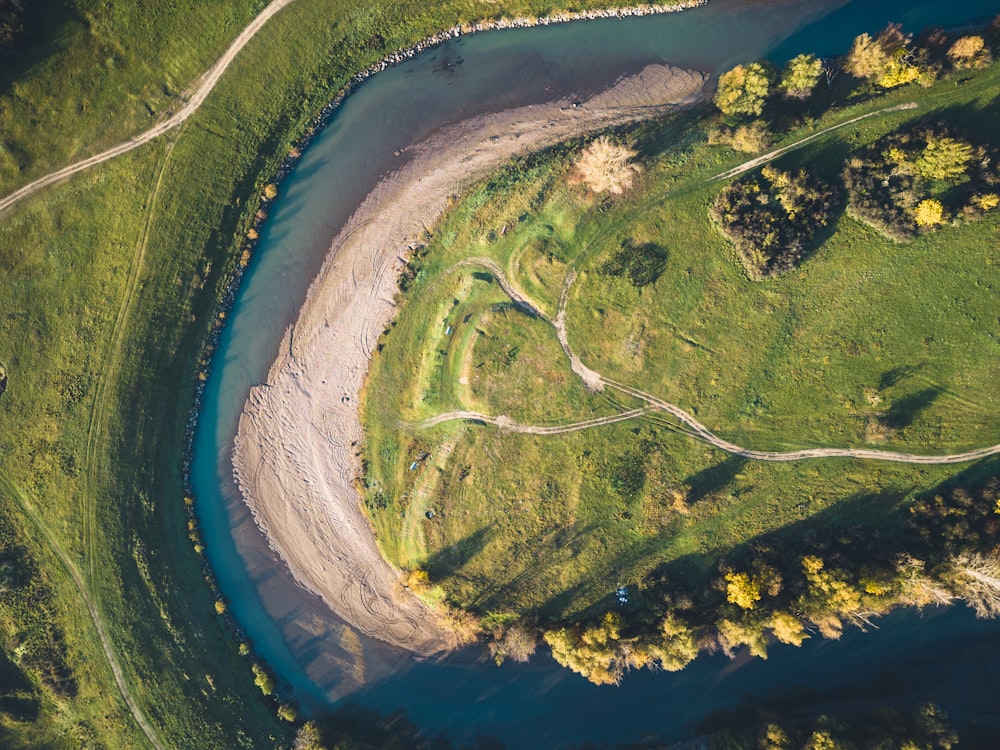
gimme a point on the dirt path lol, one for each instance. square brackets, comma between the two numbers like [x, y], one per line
[696, 429]
[203, 87]
[95, 616]
[758, 161]
[506, 424]
[296, 451]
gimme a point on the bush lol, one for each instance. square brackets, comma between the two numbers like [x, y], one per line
[909, 181]
[752, 138]
[773, 217]
[606, 167]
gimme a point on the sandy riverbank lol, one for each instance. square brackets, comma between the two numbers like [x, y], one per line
[295, 457]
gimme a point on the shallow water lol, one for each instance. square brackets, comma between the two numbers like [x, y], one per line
[537, 705]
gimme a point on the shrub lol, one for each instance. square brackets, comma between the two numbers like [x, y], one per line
[773, 217]
[606, 167]
[751, 138]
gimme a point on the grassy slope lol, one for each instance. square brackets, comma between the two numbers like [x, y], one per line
[110, 280]
[552, 524]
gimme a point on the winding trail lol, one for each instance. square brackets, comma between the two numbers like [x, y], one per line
[697, 430]
[203, 88]
[296, 453]
[507, 424]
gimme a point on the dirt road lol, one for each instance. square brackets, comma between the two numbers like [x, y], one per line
[202, 89]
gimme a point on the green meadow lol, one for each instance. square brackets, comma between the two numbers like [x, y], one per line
[868, 343]
[110, 284]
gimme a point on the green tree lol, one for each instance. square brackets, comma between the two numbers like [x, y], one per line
[884, 60]
[594, 652]
[263, 680]
[801, 76]
[733, 634]
[787, 628]
[929, 213]
[742, 590]
[943, 158]
[743, 90]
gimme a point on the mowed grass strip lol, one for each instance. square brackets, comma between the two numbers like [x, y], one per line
[868, 343]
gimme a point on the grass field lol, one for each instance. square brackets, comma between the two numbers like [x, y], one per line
[110, 285]
[868, 343]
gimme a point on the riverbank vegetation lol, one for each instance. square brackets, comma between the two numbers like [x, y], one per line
[631, 544]
[111, 283]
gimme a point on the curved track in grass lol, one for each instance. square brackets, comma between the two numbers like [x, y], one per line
[692, 427]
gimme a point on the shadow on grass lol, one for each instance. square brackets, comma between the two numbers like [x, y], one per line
[714, 479]
[889, 378]
[447, 562]
[903, 412]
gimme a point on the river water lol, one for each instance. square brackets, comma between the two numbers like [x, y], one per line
[538, 705]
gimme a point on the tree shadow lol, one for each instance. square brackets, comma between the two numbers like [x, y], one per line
[448, 561]
[714, 479]
[905, 411]
[889, 378]
[51, 26]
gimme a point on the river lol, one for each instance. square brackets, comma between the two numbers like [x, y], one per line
[538, 705]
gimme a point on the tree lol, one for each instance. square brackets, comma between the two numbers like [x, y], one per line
[594, 653]
[977, 580]
[742, 590]
[969, 52]
[606, 167]
[830, 597]
[866, 58]
[929, 213]
[517, 642]
[308, 737]
[943, 158]
[801, 76]
[788, 628]
[743, 90]
[748, 633]
[263, 680]
[884, 60]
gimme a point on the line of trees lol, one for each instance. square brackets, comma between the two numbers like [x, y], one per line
[887, 60]
[782, 592]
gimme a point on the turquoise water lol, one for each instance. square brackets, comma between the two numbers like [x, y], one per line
[537, 705]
